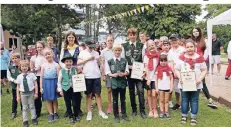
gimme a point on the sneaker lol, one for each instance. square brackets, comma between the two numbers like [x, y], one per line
[13, 115]
[170, 105]
[80, 112]
[77, 119]
[103, 115]
[193, 121]
[226, 78]
[117, 119]
[125, 117]
[218, 74]
[161, 116]
[66, 114]
[25, 124]
[155, 114]
[143, 115]
[212, 105]
[89, 116]
[56, 116]
[50, 118]
[167, 116]
[72, 121]
[109, 110]
[183, 120]
[150, 114]
[34, 121]
[175, 107]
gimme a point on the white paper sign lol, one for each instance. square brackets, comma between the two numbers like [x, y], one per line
[137, 70]
[79, 84]
[188, 79]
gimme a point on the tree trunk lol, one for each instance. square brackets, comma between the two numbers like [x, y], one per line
[59, 36]
[97, 27]
[88, 19]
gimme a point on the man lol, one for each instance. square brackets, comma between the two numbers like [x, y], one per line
[134, 51]
[216, 54]
[174, 53]
[50, 42]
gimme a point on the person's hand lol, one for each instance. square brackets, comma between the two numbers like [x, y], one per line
[35, 96]
[149, 82]
[198, 82]
[130, 66]
[157, 91]
[104, 78]
[171, 90]
[38, 68]
[18, 99]
[91, 58]
[181, 82]
[41, 90]
[15, 81]
[61, 93]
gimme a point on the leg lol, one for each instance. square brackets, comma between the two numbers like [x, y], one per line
[97, 90]
[115, 93]
[14, 101]
[218, 68]
[123, 100]
[154, 103]
[166, 100]
[55, 106]
[38, 101]
[67, 99]
[88, 93]
[149, 96]
[31, 106]
[228, 71]
[194, 103]
[212, 66]
[140, 91]
[109, 93]
[205, 89]
[88, 103]
[161, 100]
[76, 99]
[24, 100]
[49, 107]
[184, 103]
[131, 86]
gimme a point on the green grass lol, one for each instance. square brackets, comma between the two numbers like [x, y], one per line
[207, 117]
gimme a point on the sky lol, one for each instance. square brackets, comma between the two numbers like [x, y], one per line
[203, 13]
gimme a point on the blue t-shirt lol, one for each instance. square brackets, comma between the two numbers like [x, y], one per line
[4, 61]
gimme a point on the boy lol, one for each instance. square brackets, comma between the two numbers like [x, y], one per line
[90, 60]
[174, 53]
[28, 87]
[117, 68]
[134, 51]
[12, 73]
[65, 88]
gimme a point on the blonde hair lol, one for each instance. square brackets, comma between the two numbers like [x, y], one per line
[163, 38]
[24, 62]
[47, 49]
[110, 35]
[16, 54]
[117, 46]
[50, 38]
[131, 31]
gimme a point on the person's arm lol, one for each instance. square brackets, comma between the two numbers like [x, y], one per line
[171, 82]
[32, 64]
[11, 79]
[18, 94]
[57, 69]
[108, 71]
[35, 89]
[82, 62]
[59, 88]
[143, 52]
[203, 72]
[122, 53]
[41, 80]
[156, 82]
[126, 70]
[61, 57]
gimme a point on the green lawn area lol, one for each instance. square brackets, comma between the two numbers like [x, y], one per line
[207, 117]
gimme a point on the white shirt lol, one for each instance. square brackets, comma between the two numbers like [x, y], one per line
[90, 69]
[30, 81]
[59, 83]
[164, 83]
[107, 68]
[175, 53]
[180, 66]
[123, 52]
[229, 50]
[152, 75]
[38, 61]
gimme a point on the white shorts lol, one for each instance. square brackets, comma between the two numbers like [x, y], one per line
[175, 83]
[215, 59]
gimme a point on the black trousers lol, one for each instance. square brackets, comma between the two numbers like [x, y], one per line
[205, 89]
[74, 100]
[132, 83]
[115, 95]
[38, 101]
[14, 101]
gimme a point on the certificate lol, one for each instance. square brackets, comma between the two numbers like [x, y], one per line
[137, 70]
[79, 84]
[188, 79]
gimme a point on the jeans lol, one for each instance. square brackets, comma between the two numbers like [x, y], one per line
[27, 100]
[205, 89]
[115, 94]
[38, 101]
[192, 98]
[140, 91]
[72, 99]
[14, 101]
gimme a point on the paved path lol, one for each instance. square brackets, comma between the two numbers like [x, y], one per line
[220, 88]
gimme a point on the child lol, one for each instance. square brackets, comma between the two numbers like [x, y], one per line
[117, 69]
[164, 85]
[35, 65]
[50, 42]
[65, 89]
[12, 73]
[48, 83]
[150, 63]
[4, 61]
[191, 61]
[90, 60]
[28, 88]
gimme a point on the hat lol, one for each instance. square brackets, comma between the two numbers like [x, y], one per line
[90, 43]
[174, 36]
[166, 42]
[68, 56]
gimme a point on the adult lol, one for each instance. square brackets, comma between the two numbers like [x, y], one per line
[50, 42]
[199, 40]
[103, 46]
[70, 47]
[97, 48]
[5, 59]
[228, 71]
[216, 54]
[134, 51]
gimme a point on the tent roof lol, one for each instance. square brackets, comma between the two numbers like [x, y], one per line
[223, 18]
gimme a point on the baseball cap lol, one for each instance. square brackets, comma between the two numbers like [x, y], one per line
[89, 42]
[174, 36]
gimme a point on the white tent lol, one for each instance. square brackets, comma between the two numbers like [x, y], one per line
[222, 19]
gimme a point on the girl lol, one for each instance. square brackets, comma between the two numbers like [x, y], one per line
[50, 42]
[48, 83]
[164, 85]
[103, 46]
[191, 61]
[35, 65]
[201, 50]
[150, 62]
[71, 47]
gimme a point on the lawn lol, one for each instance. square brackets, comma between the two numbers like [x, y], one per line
[207, 117]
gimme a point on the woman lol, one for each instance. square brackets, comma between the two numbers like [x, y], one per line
[188, 62]
[71, 47]
[103, 46]
[200, 49]
[228, 71]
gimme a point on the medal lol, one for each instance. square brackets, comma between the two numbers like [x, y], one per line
[128, 53]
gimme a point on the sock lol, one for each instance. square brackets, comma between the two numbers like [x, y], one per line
[170, 102]
[210, 100]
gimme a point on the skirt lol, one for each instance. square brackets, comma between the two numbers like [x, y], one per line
[50, 89]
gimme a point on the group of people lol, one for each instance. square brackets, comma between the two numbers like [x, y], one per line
[49, 78]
